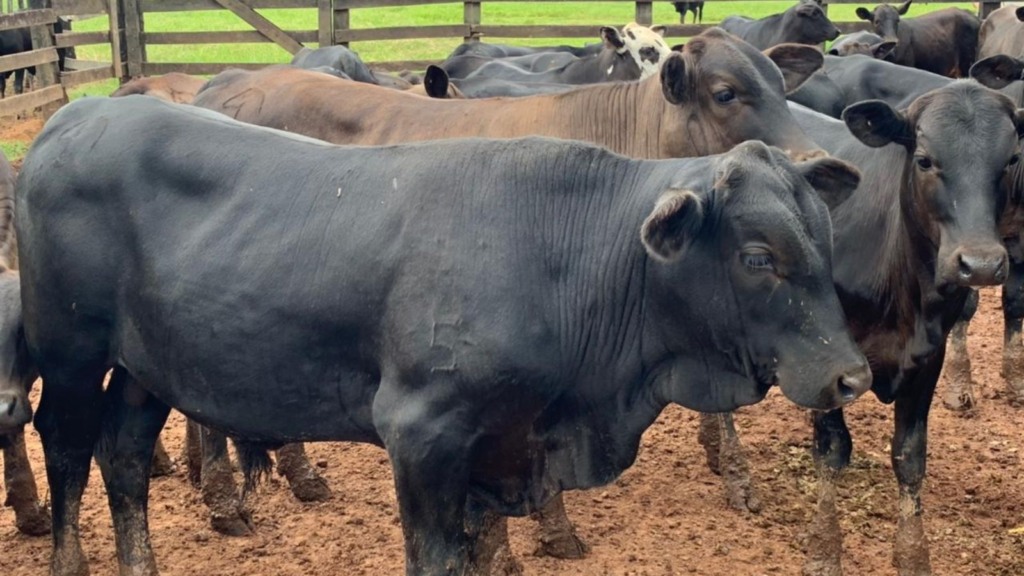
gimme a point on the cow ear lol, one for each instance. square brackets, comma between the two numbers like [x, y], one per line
[863, 13]
[675, 221]
[882, 50]
[612, 38]
[902, 10]
[998, 72]
[678, 47]
[833, 179]
[833, 52]
[659, 30]
[673, 79]
[435, 82]
[1020, 13]
[796, 61]
[876, 124]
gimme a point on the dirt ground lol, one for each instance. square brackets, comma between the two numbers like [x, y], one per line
[664, 516]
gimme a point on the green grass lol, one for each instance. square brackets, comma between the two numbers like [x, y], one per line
[521, 13]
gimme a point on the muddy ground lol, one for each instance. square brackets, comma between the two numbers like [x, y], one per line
[666, 515]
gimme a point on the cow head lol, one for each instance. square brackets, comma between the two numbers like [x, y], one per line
[807, 23]
[17, 371]
[960, 141]
[864, 43]
[752, 252]
[722, 91]
[635, 48]
[885, 18]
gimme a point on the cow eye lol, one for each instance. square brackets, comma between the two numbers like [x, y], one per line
[758, 261]
[725, 96]
[1013, 160]
[924, 162]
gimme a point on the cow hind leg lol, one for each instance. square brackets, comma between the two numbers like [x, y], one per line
[306, 484]
[192, 453]
[30, 517]
[19, 81]
[958, 384]
[228, 514]
[491, 554]
[832, 448]
[162, 464]
[558, 536]
[1013, 313]
[725, 456]
[132, 420]
[68, 421]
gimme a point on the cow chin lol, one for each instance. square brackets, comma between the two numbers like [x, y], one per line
[808, 387]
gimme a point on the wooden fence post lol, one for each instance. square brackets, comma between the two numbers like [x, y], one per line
[986, 8]
[46, 74]
[644, 12]
[325, 23]
[471, 17]
[113, 19]
[341, 22]
[133, 28]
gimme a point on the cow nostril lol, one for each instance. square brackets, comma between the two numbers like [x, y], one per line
[8, 405]
[846, 392]
[965, 267]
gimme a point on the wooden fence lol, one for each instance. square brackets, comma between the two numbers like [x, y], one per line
[128, 37]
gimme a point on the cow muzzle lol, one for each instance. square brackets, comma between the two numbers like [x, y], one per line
[849, 385]
[15, 411]
[984, 266]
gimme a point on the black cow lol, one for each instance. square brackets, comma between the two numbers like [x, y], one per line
[697, 7]
[437, 84]
[477, 48]
[17, 374]
[804, 23]
[505, 318]
[944, 42]
[19, 40]
[461, 66]
[921, 230]
[635, 53]
[344, 63]
[863, 42]
[843, 81]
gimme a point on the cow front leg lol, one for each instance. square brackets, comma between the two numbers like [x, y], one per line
[831, 451]
[725, 456]
[19, 81]
[132, 420]
[958, 384]
[1013, 313]
[228, 514]
[192, 453]
[558, 536]
[909, 456]
[306, 484]
[68, 421]
[30, 516]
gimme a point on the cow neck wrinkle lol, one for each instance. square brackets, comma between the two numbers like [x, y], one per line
[633, 133]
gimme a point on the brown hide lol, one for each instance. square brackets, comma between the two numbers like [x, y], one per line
[174, 87]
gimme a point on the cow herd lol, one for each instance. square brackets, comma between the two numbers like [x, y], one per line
[528, 254]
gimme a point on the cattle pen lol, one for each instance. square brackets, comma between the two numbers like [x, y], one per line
[127, 42]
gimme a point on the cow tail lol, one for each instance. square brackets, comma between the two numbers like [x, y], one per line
[255, 462]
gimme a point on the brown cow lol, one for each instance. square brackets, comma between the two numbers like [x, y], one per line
[174, 87]
[716, 93]
[944, 42]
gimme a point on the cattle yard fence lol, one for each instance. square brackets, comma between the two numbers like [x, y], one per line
[128, 38]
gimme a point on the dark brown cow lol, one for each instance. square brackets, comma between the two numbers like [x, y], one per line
[174, 87]
[944, 42]
[30, 516]
[717, 92]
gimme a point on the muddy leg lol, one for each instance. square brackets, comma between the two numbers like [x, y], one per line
[1013, 312]
[162, 464]
[68, 421]
[557, 534]
[306, 484]
[31, 517]
[228, 514]
[192, 453]
[710, 437]
[832, 448]
[490, 554]
[958, 384]
[909, 455]
[724, 454]
[132, 420]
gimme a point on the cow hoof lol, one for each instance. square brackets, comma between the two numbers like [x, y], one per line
[68, 563]
[959, 401]
[564, 545]
[822, 567]
[161, 467]
[505, 563]
[34, 521]
[742, 497]
[236, 526]
[312, 488]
